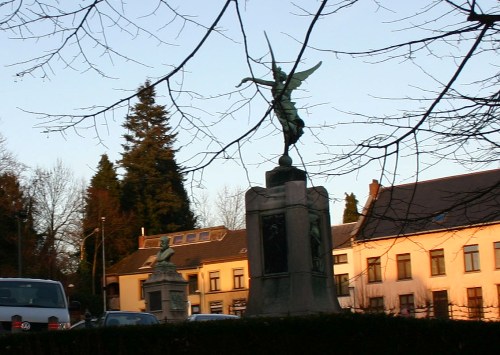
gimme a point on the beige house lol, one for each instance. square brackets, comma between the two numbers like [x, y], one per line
[212, 260]
[430, 249]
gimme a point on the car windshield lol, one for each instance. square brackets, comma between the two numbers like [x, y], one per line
[31, 294]
[118, 319]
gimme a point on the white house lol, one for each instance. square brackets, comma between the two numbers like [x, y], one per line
[430, 249]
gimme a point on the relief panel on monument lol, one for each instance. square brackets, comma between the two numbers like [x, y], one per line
[177, 300]
[317, 257]
[274, 243]
[155, 301]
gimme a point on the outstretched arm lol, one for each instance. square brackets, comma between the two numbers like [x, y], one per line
[257, 81]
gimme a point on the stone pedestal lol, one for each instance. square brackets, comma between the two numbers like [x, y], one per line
[289, 247]
[165, 293]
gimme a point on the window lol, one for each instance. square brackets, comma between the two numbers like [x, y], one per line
[404, 266]
[440, 218]
[471, 256]
[238, 275]
[440, 301]
[406, 305]
[497, 255]
[204, 236]
[437, 262]
[238, 307]
[342, 284]
[178, 239]
[191, 237]
[475, 302]
[340, 259]
[376, 305]
[195, 309]
[192, 284]
[374, 270]
[214, 281]
[216, 307]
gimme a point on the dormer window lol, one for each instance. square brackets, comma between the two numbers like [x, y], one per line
[204, 236]
[148, 262]
[440, 218]
[190, 238]
[178, 239]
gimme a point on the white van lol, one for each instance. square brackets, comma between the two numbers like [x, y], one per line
[32, 305]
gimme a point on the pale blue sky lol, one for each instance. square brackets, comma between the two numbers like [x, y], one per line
[342, 84]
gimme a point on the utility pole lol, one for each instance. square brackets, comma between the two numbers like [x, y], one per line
[103, 219]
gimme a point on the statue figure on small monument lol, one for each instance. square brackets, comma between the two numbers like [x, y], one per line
[165, 253]
[284, 107]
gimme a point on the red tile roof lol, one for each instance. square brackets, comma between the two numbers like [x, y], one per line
[231, 246]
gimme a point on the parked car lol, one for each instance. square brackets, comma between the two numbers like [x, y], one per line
[91, 323]
[210, 316]
[122, 318]
[28, 305]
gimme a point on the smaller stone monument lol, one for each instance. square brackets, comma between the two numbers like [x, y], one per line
[165, 290]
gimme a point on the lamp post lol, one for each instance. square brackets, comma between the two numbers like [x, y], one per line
[83, 261]
[21, 216]
[103, 264]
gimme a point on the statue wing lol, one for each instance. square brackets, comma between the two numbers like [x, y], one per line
[299, 77]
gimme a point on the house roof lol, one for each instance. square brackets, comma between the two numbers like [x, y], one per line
[229, 246]
[341, 235]
[446, 203]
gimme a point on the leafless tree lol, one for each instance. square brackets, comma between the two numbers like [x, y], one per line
[230, 206]
[57, 212]
[8, 162]
[204, 210]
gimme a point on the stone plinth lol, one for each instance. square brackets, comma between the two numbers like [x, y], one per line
[165, 293]
[289, 247]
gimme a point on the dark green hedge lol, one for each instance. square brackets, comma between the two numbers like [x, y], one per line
[325, 334]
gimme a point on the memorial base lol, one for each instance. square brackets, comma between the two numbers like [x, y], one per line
[289, 247]
[166, 294]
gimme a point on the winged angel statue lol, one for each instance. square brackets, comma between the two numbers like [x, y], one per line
[284, 107]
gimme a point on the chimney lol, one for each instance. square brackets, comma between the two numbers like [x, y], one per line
[142, 239]
[374, 187]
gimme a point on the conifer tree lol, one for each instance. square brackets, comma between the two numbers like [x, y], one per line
[351, 213]
[11, 204]
[103, 201]
[153, 185]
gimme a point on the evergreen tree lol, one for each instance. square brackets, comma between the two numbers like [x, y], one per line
[103, 201]
[153, 185]
[106, 178]
[351, 213]
[11, 204]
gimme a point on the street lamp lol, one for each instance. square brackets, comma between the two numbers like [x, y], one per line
[82, 243]
[103, 265]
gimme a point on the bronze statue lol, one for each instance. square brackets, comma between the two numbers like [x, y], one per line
[284, 107]
[165, 253]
